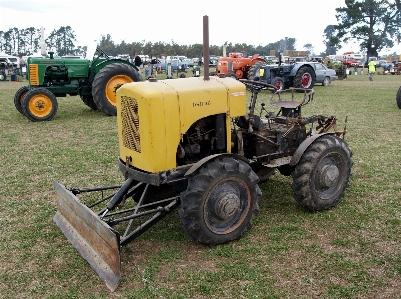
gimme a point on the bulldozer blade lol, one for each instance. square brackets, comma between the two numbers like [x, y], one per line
[96, 241]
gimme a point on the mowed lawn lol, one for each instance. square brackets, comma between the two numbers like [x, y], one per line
[350, 251]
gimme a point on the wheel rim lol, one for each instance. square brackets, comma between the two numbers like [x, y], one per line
[305, 80]
[224, 208]
[279, 85]
[328, 176]
[40, 105]
[113, 84]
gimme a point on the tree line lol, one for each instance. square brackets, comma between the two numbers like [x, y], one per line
[375, 24]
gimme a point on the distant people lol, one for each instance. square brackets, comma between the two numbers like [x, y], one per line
[200, 62]
[371, 69]
[21, 65]
[137, 61]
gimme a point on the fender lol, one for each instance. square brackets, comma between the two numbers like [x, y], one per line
[198, 164]
[302, 148]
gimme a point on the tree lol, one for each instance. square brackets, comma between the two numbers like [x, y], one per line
[374, 23]
[309, 48]
[332, 42]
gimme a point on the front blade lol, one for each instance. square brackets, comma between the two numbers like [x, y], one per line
[96, 241]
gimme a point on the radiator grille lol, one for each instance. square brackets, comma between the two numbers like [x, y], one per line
[33, 74]
[130, 124]
[230, 66]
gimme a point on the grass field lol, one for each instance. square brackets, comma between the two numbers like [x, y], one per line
[350, 251]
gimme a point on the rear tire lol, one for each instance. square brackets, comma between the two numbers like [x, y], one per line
[305, 78]
[326, 81]
[220, 201]
[254, 71]
[88, 101]
[106, 83]
[39, 104]
[322, 175]
[399, 97]
[19, 95]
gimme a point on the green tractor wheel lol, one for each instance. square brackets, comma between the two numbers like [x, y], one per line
[19, 95]
[88, 101]
[39, 104]
[106, 83]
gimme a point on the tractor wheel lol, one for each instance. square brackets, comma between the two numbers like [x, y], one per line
[220, 201]
[39, 104]
[106, 83]
[305, 77]
[231, 75]
[399, 97]
[19, 95]
[88, 101]
[322, 174]
[278, 82]
[254, 71]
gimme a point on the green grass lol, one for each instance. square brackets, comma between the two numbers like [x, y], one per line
[350, 251]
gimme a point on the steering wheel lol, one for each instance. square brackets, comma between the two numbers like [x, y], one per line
[258, 85]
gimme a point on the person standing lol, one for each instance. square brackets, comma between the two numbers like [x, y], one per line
[137, 61]
[22, 65]
[371, 69]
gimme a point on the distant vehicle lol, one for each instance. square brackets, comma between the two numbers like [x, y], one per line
[382, 63]
[187, 62]
[271, 59]
[324, 75]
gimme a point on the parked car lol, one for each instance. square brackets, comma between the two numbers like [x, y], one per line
[187, 62]
[382, 63]
[324, 75]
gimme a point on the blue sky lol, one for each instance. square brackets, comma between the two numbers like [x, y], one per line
[250, 22]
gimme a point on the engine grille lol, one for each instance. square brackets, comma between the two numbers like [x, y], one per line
[130, 124]
[33, 74]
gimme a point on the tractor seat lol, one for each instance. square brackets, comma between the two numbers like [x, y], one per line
[286, 104]
[291, 98]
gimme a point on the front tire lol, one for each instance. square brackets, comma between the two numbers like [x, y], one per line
[106, 83]
[322, 175]
[39, 104]
[220, 201]
[19, 95]
[305, 78]
[231, 75]
[278, 82]
[398, 98]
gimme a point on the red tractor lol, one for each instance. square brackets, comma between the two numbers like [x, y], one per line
[240, 67]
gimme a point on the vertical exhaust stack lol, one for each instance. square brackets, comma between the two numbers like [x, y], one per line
[206, 48]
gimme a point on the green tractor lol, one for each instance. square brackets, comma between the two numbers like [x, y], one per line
[96, 82]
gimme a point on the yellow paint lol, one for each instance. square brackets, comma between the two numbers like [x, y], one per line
[33, 74]
[166, 110]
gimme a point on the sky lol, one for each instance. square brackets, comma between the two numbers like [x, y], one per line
[250, 22]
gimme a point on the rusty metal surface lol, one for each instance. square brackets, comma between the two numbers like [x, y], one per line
[97, 242]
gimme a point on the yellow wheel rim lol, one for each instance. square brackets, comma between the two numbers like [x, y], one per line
[112, 86]
[40, 105]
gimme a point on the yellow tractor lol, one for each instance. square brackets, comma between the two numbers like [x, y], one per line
[197, 143]
[192, 143]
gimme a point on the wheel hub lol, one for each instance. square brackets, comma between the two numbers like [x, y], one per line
[227, 206]
[329, 175]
